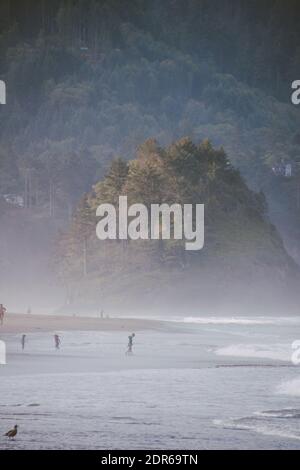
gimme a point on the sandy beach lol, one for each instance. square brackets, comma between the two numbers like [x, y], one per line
[29, 323]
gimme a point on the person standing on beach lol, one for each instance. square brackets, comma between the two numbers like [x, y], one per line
[23, 341]
[2, 313]
[130, 343]
[57, 341]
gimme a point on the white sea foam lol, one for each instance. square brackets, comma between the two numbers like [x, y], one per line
[282, 414]
[291, 387]
[266, 429]
[279, 352]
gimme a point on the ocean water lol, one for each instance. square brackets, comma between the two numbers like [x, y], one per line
[195, 384]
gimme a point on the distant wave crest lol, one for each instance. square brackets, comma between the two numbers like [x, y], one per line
[241, 320]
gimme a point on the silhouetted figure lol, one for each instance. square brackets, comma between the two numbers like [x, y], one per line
[57, 341]
[130, 343]
[29, 311]
[23, 341]
[2, 313]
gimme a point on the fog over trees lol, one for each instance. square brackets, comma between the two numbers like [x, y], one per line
[240, 242]
[88, 82]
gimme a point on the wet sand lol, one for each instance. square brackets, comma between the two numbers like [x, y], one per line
[29, 323]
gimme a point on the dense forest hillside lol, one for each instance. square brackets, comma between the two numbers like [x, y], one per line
[266, 54]
[90, 80]
[242, 251]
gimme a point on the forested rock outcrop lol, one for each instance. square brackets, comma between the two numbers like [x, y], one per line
[242, 250]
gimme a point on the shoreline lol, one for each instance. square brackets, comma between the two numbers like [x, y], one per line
[15, 323]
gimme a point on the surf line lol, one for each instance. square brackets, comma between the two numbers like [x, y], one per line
[164, 222]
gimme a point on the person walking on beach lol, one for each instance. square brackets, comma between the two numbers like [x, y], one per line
[23, 341]
[57, 341]
[2, 313]
[130, 343]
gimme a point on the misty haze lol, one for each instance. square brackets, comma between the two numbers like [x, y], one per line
[120, 327]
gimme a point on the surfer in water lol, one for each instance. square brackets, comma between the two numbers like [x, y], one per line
[57, 341]
[130, 343]
[23, 341]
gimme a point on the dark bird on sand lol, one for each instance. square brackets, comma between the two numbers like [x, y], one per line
[12, 433]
